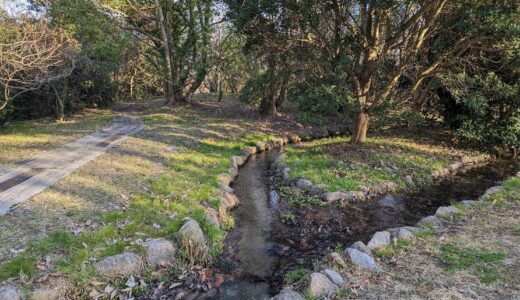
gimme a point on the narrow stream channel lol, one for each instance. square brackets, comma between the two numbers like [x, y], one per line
[260, 249]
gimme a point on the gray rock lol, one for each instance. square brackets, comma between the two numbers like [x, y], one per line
[334, 277]
[293, 138]
[455, 166]
[233, 172]
[286, 173]
[261, 146]
[9, 293]
[303, 184]
[363, 260]
[404, 234]
[278, 142]
[446, 211]
[249, 150]
[336, 260]
[320, 286]
[211, 217]
[228, 200]
[467, 160]
[287, 294]
[380, 239]
[193, 240]
[468, 203]
[120, 265]
[355, 195]
[408, 179]
[160, 252]
[226, 188]
[491, 191]
[317, 188]
[360, 246]
[428, 221]
[224, 179]
[332, 197]
[238, 161]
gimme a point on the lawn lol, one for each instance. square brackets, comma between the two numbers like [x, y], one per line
[342, 166]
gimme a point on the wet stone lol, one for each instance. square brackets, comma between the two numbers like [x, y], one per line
[320, 286]
[287, 294]
[238, 161]
[120, 265]
[225, 179]
[380, 239]
[9, 293]
[362, 260]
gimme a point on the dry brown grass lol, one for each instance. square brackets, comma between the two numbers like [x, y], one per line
[419, 273]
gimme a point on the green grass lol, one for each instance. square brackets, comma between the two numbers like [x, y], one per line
[343, 166]
[295, 276]
[483, 263]
[184, 188]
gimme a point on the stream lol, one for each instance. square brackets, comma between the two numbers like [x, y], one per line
[260, 249]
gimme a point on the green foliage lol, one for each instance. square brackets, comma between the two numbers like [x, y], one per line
[20, 265]
[287, 218]
[322, 98]
[295, 276]
[483, 263]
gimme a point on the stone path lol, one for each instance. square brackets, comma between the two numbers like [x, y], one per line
[34, 175]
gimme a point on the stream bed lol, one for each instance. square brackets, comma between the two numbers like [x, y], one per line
[260, 249]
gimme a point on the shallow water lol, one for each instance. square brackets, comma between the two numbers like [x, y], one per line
[260, 249]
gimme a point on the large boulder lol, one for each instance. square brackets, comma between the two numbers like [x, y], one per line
[379, 240]
[160, 252]
[120, 265]
[9, 293]
[287, 294]
[294, 138]
[362, 260]
[261, 146]
[250, 150]
[193, 241]
[320, 286]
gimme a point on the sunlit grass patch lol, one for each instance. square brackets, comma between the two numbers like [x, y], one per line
[483, 263]
[343, 166]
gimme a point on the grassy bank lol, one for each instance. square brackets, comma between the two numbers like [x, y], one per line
[142, 188]
[343, 166]
[475, 256]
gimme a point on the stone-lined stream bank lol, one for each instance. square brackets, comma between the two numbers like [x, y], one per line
[261, 249]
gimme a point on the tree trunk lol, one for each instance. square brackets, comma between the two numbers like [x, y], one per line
[359, 134]
[170, 97]
[268, 105]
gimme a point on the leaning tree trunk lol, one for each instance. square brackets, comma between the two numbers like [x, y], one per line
[359, 134]
[167, 55]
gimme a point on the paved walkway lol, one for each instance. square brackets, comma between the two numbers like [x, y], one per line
[34, 175]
